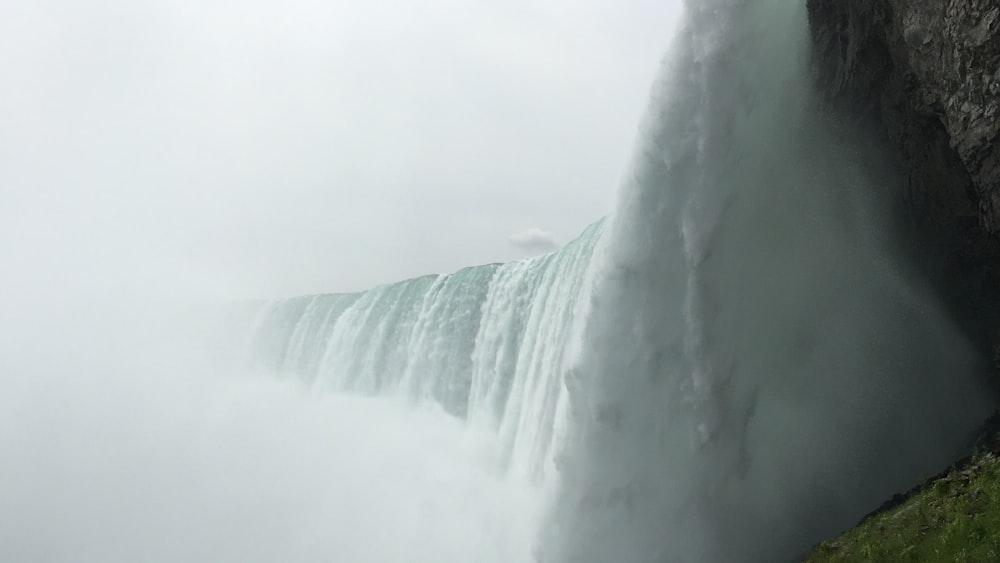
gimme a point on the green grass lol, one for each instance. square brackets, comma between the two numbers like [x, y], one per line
[952, 518]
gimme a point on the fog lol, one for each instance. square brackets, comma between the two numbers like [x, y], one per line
[158, 159]
[266, 149]
[121, 447]
[737, 381]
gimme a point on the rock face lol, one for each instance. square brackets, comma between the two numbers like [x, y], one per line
[928, 71]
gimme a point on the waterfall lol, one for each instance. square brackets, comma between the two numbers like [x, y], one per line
[485, 343]
[737, 363]
[760, 366]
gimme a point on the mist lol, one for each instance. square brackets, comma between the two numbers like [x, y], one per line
[312, 146]
[162, 163]
[120, 446]
[762, 363]
[244, 316]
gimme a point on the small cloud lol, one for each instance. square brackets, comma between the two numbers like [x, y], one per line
[534, 240]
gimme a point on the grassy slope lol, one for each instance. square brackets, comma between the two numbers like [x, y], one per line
[955, 517]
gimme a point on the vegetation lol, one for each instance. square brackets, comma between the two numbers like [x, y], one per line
[953, 517]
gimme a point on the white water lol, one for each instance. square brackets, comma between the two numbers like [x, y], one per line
[760, 366]
[124, 447]
[754, 366]
[487, 344]
[737, 365]
[123, 437]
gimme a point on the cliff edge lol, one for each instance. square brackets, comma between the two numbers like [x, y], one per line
[927, 72]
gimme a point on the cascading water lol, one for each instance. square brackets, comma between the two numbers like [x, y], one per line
[485, 343]
[759, 367]
[736, 365]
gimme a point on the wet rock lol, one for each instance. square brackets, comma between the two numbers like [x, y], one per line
[928, 73]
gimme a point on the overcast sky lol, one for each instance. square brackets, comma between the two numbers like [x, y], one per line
[265, 148]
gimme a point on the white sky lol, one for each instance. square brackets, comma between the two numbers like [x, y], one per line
[265, 148]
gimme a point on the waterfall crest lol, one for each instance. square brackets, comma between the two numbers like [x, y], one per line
[739, 363]
[485, 343]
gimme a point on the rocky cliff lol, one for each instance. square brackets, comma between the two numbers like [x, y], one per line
[927, 72]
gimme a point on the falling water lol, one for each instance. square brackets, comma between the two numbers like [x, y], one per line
[760, 366]
[485, 343]
[739, 363]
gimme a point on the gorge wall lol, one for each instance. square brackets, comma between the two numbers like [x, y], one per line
[927, 72]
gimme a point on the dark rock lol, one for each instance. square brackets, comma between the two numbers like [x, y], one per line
[928, 73]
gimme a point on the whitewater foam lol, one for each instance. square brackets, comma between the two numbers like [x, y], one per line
[738, 363]
[760, 366]
[124, 449]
